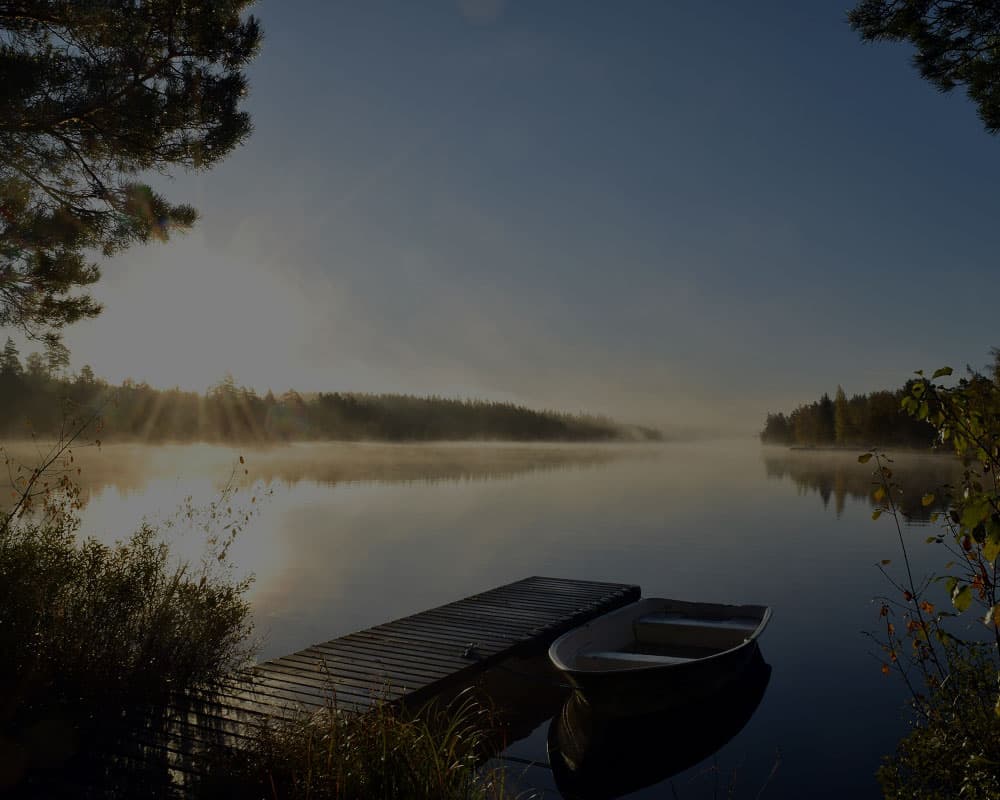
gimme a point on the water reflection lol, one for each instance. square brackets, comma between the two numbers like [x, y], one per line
[130, 468]
[595, 757]
[837, 475]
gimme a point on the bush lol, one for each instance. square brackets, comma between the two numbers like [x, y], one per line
[952, 669]
[94, 639]
[954, 747]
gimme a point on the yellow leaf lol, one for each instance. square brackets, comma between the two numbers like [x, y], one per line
[927, 499]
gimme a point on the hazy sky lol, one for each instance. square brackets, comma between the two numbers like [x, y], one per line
[675, 212]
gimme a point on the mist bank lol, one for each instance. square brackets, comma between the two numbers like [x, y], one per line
[41, 401]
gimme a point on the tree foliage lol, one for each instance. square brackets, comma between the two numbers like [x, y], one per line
[92, 97]
[957, 43]
[863, 420]
[36, 396]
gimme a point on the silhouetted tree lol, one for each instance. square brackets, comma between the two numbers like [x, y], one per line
[56, 356]
[86, 375]
[93, 94]
[10, 362]
[863, 421]
[843, 429]
[956, 43]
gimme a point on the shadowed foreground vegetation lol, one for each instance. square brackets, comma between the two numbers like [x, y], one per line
[433, 754]
[35, 397]
[94, 641]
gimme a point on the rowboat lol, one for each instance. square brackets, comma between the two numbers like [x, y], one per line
[656, 653]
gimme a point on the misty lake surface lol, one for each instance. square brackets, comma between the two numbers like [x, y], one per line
[345, 536]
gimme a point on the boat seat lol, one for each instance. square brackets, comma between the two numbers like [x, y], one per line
[720, 634]
[615, 658]
[735, 623]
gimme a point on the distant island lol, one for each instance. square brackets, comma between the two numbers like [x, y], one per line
[38, 398]
[863, 420]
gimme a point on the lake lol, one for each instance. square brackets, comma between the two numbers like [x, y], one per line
[345, 536]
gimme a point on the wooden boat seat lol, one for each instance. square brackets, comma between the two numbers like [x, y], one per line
[685, 631]
[736, 622]
[611, 659]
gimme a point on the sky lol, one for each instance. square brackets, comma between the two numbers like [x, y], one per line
[684, 214]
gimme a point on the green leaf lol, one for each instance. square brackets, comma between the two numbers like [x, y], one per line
[950, 584]
[864, 458]
[991, 547]
[941, 372]
[962, 598]
[974, 513]
[877, 514]
[927, 499]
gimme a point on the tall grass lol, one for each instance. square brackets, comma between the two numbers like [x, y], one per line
[436, 753]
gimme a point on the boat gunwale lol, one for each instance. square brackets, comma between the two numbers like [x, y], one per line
[557, 661]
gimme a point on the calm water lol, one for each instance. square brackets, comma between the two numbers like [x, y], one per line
[353, 535]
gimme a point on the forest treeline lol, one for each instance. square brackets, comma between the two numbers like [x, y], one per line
[863, 420]
[39, 395]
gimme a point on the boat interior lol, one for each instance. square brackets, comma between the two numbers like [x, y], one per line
[660, 633]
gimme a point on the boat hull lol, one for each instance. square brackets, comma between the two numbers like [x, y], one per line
[660, 688]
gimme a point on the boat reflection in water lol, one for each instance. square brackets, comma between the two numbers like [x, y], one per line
[595, 755]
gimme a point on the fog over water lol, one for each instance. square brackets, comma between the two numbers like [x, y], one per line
[345, 536]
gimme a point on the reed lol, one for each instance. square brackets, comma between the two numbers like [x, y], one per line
[436, 752]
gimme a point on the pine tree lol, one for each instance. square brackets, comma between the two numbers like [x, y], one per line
[56, 356]
[956, 43]
[10, 362]
[842, 418]
[93, 95]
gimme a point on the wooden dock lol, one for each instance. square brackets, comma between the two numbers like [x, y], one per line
[408, 660]
[419, 656]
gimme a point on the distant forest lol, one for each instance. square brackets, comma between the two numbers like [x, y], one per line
[39, 395]
[863, 420]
